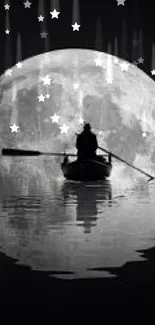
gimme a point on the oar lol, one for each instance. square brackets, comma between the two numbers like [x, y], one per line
[141, 171]
[21, 152]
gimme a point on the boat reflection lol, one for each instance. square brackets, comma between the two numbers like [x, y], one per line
[88, 197]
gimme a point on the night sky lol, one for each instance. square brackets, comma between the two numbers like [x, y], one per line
[102, 23]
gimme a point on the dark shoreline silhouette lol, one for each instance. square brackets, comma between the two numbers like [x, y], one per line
[36, 295]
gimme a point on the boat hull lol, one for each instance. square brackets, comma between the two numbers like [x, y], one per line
[88, 170]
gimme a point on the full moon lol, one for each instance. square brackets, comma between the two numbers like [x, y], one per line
[116, 97]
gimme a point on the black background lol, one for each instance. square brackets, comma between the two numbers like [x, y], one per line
[138, 15]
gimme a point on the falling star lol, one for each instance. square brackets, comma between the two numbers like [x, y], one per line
[41, 98]
[41, 18]
[75, 15]
[116, 61]
[7, 6]
[8, 72]
[120, 2]
[144, 134]
[54, 14]
[43, 34]
[140, 60]
[98, 61]
[47, 81]
[109, 80]
[76, 27]
[8, 61]
[124, 66]
[19, 65]
[14, 128]
[153, 72]
[64, 128]
[55, 118]
[76, 86]
[27, 4]
[43, 25]
[81, 120]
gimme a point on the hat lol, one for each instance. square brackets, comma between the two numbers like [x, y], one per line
[87, 126]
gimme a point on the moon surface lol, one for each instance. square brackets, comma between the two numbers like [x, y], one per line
[119, 112]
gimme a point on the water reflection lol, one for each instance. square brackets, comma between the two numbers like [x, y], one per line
[71, 228]
[87, 196]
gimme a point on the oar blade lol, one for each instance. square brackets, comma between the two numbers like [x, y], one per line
[151, 179]
[22, 152]
[19, 152]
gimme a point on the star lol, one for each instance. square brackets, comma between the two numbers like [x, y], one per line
[140, 60]
[19, 65]
[153, 72]
[54, 14]
[7, 32]
[98, 61]
[43, 34]
[41, 18]
[76, 27]
[120, 2]
[47, 96]
[41, 98]
[14, 128]
[81, 120]
[124, 66]
[47, 81]
[144, 134]
[8, 72]
[109, 80]
[64, 128]
[55, 118]
[7, 7]
[76, 86]
[27, 4]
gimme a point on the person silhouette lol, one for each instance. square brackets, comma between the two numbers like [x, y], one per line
[86, 143]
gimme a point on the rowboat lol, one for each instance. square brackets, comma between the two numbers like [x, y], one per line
[87, 170]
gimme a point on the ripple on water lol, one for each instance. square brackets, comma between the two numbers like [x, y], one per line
[73, 230]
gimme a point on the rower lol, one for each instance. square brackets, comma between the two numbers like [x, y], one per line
[86, 143]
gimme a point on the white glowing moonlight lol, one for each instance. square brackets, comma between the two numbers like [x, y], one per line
[119, 112]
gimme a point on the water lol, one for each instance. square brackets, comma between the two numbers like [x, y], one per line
[72, 229]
